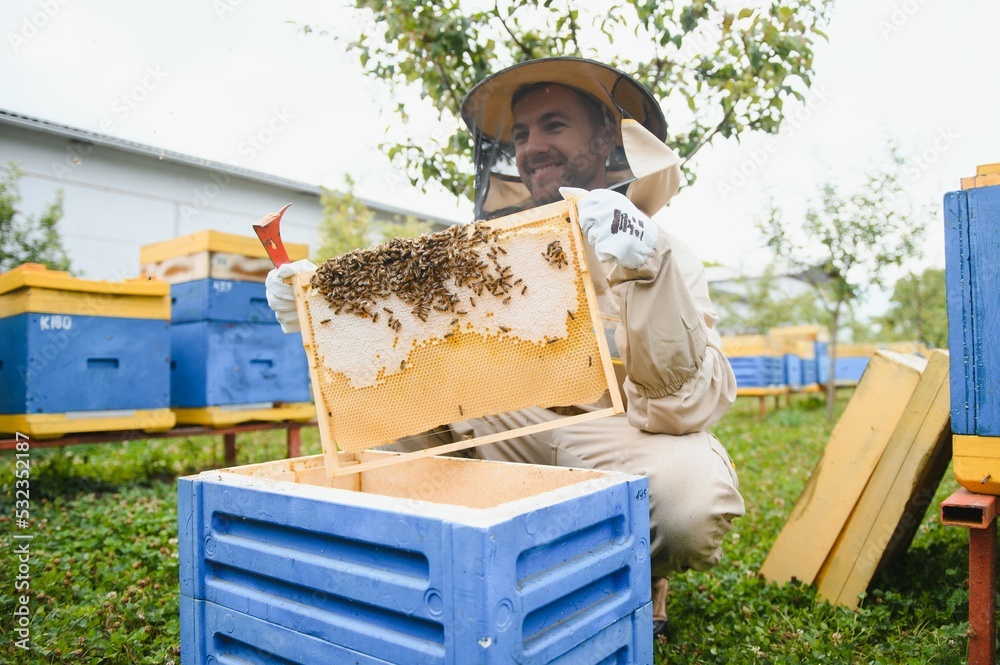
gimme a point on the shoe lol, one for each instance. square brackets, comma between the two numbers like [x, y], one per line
[661, 628]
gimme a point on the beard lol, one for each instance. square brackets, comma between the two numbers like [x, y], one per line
[582, 171]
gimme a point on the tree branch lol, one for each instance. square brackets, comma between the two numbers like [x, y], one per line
[524, 49]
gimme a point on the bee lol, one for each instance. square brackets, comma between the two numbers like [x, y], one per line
[570, 314]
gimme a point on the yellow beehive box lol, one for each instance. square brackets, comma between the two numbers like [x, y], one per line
[81, 355]
[212, 254]
[751, 345]
[810, 332]
[32, 288]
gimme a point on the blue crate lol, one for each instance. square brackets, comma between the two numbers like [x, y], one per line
[295, 573]
[850, 368]
[230, 636]
[810, 371]
[972, 239]
[217, 364]
[758, 371]
[59, 363]
[220, 300]
[794, 374]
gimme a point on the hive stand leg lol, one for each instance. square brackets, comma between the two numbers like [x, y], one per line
[294, 442]
[229, 446]
[978, 513]
[982, 595]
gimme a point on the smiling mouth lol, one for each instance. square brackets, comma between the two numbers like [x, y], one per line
[544, 169]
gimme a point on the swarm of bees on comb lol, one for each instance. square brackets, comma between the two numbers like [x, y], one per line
[421, 271]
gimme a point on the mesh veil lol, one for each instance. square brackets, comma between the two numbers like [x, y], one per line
[487, 112]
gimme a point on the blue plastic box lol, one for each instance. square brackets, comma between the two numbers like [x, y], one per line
[57, 363]
[758, 371]
[794, 374]
[972, 239]
[220, 300]
[218, 364]
[437, 560]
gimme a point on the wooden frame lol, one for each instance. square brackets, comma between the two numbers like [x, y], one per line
[300, 283]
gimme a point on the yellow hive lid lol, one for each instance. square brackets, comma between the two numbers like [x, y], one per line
[812, 332]
[215, 241]
[987, 175]
[32, 288]
[38, 276]
[750, 345]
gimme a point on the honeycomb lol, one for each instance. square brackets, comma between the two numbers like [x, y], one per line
[517, 329]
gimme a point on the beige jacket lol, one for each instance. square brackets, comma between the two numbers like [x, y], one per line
[677, 379]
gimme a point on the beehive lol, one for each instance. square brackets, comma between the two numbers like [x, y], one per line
[440, 561]
[211, 255]
[757, 360]
[972, 235]
[69, 360]
[230, 362]
[468, 322]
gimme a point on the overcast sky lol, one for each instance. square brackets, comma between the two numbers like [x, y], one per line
[210, 77]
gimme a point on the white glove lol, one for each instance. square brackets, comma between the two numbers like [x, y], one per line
[279, 294]
[615, 228]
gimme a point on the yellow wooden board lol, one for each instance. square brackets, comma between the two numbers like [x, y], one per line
[988, 180]
[986, 169]
[35, 289]
[811, 333]
[839, 478]
[751, 345]
[977, 463]
[54, 425]
[74, 303]
[214, 241]
[216, 416]
[762, 391]
[901, 487]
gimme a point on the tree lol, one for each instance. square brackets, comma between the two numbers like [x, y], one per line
[760, 305]
[719, 72]
[26, 238]
[346, 223]
[349, 224]
[918, 310]
[848, 242]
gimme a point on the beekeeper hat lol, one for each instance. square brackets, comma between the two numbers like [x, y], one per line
[640, 156]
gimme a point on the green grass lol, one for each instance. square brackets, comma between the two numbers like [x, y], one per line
[104, 565]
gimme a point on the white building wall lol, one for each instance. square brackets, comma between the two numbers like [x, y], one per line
[116, 201]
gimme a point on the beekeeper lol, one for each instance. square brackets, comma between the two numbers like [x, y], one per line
[567, 127]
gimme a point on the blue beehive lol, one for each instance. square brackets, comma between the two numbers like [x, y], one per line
[438, 560]
[757, 360]
[972, 244]
[218, 363]
[220, 300]
[69, 356]
[227, 349]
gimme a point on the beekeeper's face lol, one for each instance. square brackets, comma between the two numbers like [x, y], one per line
[560, 139]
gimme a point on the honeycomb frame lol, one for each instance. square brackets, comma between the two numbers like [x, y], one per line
[357, 410]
